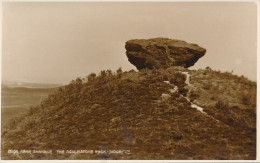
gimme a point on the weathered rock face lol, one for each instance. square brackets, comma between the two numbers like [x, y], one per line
[162, 53]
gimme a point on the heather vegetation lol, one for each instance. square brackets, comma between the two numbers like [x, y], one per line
[226, 97]
[126, 110]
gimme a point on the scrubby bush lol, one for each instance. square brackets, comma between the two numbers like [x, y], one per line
[245, 100]
[119, 70]
[79, 81]
[208, 68]
[109, 72]
[183, 91]
[103, 73]
[91, 76]
[206, 86]
[193, 96]
[165, 77]
[213, 98]
[177, 79]
[222, 105]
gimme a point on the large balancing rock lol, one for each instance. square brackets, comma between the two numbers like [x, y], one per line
[162, 53]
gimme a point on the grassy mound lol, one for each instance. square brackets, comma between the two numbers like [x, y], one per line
[126, 111]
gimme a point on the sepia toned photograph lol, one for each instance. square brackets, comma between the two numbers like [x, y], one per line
[129, 80]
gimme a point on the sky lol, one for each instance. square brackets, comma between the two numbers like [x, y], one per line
[56, 42]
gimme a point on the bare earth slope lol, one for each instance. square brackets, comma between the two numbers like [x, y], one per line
[172, 113]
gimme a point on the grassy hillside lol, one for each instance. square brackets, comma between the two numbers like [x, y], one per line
[152, 113]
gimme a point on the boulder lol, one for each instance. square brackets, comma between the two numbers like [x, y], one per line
[162, 53]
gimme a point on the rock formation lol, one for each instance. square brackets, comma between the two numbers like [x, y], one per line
[162, 53]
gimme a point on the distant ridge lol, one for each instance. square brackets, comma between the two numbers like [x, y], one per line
[16, 84]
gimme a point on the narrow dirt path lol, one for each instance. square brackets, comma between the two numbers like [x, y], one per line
[165, 96]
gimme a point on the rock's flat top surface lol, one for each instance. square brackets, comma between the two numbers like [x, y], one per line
[162, 53]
